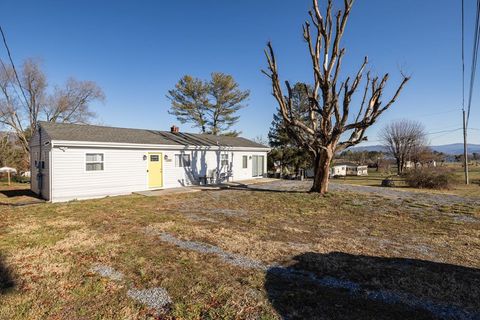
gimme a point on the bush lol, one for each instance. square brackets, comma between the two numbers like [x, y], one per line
[20, 179]
[430, 178]
[389, 183]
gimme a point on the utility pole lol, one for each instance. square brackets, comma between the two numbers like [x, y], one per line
[465, 150]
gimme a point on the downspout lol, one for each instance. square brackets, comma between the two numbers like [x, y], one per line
[39, 164]
[50, 172]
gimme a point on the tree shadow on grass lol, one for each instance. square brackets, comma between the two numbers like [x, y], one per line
[262, 188]
[7, 281]
[18, 193]
[344, 286]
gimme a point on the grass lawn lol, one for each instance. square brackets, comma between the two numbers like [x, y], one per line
[16, 193]
[375, 178]
[233, 254]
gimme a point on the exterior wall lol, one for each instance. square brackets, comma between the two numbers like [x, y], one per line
[240, 173]
[40, 164]
[345, 170]
[362, 170]
[351, 171]
[125, 170]
[338, 171]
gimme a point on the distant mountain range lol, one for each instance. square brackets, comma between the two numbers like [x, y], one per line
[454, 148]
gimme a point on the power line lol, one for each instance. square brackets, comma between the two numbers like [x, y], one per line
[430, 133]
[476, 42]
[13, 65]
[443, 131]
[14, 87]
[438, 113]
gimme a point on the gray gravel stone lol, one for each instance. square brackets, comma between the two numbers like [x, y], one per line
[399, 197]
[155, 298]
[107, 272]
[230, 258]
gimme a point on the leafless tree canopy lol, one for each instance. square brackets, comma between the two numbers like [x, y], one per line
[25, 100]
[330, 117]
[404, 139]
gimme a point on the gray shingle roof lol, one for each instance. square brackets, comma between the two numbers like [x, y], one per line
[91, 133]
[347, 163]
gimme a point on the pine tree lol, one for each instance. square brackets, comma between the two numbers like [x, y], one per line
[210, 105]
[287, 152]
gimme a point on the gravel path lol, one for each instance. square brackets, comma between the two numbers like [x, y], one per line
[440, 310]
[230, 258]
[156, 299]
[107, 272]
[420, 197]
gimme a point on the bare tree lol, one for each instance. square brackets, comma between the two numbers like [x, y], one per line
[24, 100]
[71, 104]
[401, 138]
[10, 153]
[329, 108]
[21, 102]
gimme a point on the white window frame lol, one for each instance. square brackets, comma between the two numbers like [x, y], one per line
[87, 162]
[181, 160]
[224, 158]
[244, 162]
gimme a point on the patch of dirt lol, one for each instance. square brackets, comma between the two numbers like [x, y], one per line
[24, 228]
[64, 223]
[78, 238]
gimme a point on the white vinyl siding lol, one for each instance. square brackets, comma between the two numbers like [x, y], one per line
[125, 169]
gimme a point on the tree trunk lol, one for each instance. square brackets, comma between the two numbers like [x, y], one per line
[399, 167]
[321, 167]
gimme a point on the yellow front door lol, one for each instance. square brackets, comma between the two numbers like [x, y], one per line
[155, 170]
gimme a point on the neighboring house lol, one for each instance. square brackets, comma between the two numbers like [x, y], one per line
[70, 161]
[410, 164]
[348, 169]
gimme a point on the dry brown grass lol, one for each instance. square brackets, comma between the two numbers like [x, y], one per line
[17, 194]
[375, 178]
[50, 249]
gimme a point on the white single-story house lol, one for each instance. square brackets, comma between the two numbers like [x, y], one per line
[348, 169]
[72, 161]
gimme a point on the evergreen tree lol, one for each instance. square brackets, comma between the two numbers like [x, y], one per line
[286, 151]
[210, 105]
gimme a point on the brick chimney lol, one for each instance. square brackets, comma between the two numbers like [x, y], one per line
[174, 129]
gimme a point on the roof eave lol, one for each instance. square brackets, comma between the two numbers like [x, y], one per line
[96, 144]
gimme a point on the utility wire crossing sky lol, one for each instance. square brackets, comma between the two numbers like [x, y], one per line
[137, 51]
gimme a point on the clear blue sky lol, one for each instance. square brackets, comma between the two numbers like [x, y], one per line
[137, 50]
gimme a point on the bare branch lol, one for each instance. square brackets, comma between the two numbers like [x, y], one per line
[329, 104]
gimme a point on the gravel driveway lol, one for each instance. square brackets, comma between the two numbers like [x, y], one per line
[419, 197]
